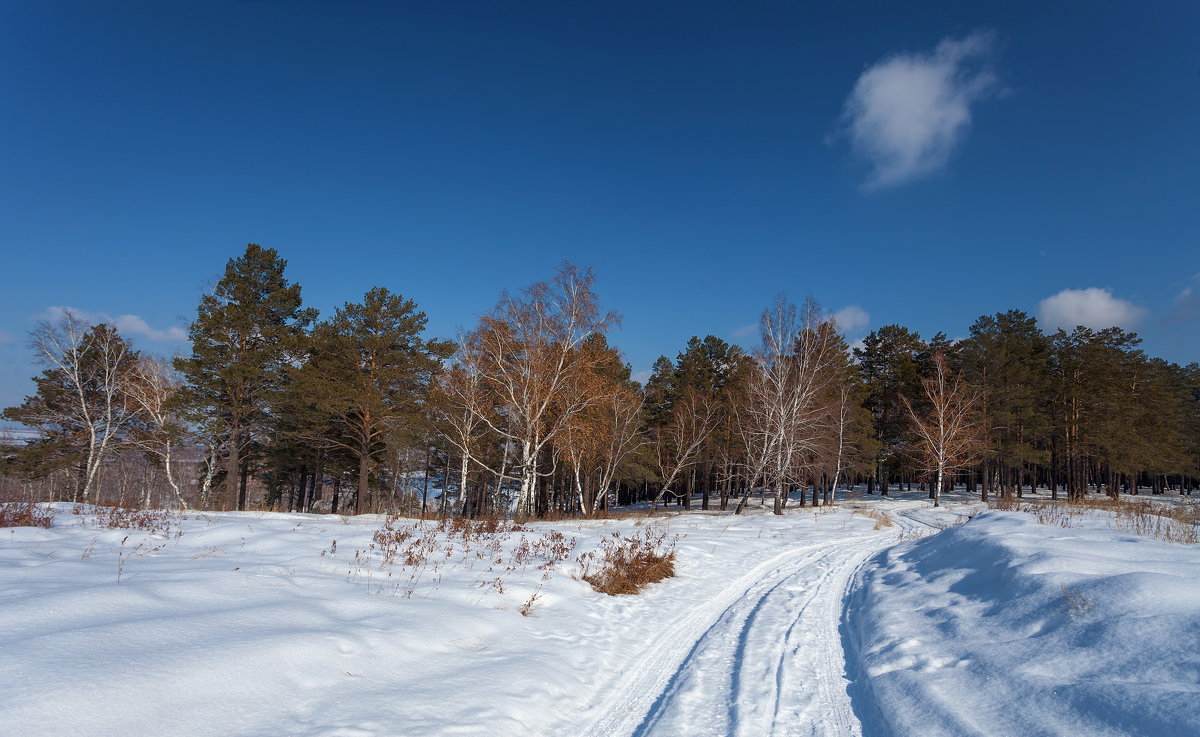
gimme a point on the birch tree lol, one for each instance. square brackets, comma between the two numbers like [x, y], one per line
[527, 354]
[152, 388]
[460, 402]
[597, 441]
[679, 441]
[81, 408]
[786, 414]
[950, 435]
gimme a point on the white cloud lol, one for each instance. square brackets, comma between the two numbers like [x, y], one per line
[908, 111]
[851, 318]
[745, 331]
[642, 377]
[127, 324]
[1187, 303]
[1093, 307]
[6, 338]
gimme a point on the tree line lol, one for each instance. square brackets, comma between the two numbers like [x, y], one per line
[533, 412]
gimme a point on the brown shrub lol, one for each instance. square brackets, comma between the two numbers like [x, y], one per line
[25, 514]
[155, 521]
[626, 565]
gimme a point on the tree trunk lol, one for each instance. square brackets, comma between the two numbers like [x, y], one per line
[171, 477]
[245, 480]
[464, 498]
[364, 469]
[232, 470]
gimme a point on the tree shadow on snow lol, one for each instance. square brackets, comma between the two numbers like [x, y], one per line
[858, 684]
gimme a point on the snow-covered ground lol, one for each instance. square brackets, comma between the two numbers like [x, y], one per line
[259, 624]
[1003, 626]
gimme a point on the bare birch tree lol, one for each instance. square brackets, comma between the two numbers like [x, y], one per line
[950, 435]
[678, 442]
[152, 387]
[529, 358]
[81, 409]
[460, 401]
[597, 441]
[785, 417]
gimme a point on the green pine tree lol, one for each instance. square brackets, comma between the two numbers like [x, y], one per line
[368, 376]
[246, 333]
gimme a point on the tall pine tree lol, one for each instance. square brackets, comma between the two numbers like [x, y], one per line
[368, 376]
[245, 334]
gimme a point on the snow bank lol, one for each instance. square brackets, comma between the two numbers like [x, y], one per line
[1003, 626]
[258, 624]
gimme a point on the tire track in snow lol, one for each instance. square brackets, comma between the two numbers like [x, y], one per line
[765, 658]
[635, 691]
[774, 665]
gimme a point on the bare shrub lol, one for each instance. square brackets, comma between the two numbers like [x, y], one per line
[161, 522]
[626, 565]
[25, 514]
[406, 552]
[528, 607]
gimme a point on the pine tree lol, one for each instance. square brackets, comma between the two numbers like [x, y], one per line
[717, 370]
[1099, 377]
[368, 376]
[890, 369]
[246, 333]
[1008, 358]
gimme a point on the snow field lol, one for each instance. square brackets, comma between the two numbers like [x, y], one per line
[1003, 626]
[813, 623]
[256, 624]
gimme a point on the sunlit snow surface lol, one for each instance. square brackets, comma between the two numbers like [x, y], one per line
[1003, 626]
[247, 624]
[256, 624]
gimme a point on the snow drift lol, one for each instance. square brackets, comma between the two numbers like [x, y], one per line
[1003, 626]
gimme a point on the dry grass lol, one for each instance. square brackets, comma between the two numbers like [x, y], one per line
[25, 514]
[407, 552]
[881, 519]
[1174, 523]
[626, 565]
[1074, 604]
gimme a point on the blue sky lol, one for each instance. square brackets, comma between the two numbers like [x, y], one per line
[920, 164]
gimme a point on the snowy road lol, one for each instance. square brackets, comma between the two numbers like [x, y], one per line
[763, 658]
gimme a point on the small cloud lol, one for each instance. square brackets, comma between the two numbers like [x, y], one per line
[134, 325]
[1187, 303]
[1093, 307]
[5, 338]
[641, 377]
[908, 112]
[127, 324]
[851, 318]
[744, 331]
